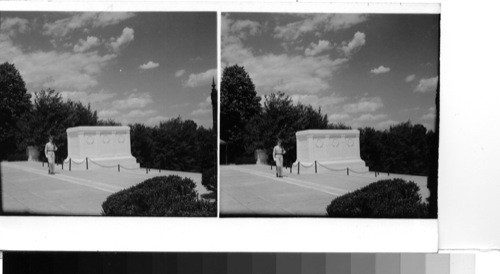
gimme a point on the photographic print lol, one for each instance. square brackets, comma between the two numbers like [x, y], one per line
[333, 115]
[108, 113]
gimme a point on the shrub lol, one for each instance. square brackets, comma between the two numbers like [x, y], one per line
[159, 196]
[394, 198]
[209, 179]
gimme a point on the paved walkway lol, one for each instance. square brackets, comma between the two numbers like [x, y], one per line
[27, 188]
[253, 190]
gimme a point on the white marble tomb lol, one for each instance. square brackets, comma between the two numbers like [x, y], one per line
[335, 149]
[104, 145]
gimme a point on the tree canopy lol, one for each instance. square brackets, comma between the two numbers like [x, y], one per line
[280, 118]
[175, 144]
[14, 103]
[239, 103]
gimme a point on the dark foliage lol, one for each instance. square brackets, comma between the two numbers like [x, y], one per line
[174, 145]
[108, 122]
[17, 157]
[52, 115]
[432, 177]
[239, 103]
[209, 179]
[159, 196]
[14, 103]
[280, 118]
[395, 198]
[404, 148]
[245, 160]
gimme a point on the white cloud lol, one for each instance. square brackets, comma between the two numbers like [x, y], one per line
[244, 28]
[204, 108]
[201, 112]
[338, 117]
[427, 85]
[107, 113]
[88, 97]
[179, 73]
[13, 25]
[430, 115]
[410, 78]
[353, 46]
[84, 45]
[64, 26]
[364, 104]
[200, 79]
[156, 120]
[368, 117]
[134, 100]
[149, 65]
[380, 70]
[386, 124]
[58, 70]
[291, 74]
[318, 48]
[317, 23]
[325, 102]
[280, 72]
[125, 38]
[137, 113]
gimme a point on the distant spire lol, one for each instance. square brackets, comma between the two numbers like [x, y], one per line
[213, 82]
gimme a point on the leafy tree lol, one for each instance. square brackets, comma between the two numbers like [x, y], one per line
[108, 122]
[142, 144]
[174, 145]
[280, 118]
[52, 116]
[433, 142]
[206, 139]
[403, 148]
[239, 103]
[14, 104]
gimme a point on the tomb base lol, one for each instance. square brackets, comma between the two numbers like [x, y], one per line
[127, 162]
[333, 166]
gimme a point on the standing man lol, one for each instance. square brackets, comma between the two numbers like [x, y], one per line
[278, 152]
[50, 153]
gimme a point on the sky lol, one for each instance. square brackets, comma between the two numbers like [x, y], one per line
[131, 67]
[372, 70]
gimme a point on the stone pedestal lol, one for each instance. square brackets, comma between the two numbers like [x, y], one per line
[105, 146]
[261, 156]
[334, 149]
[33, 153]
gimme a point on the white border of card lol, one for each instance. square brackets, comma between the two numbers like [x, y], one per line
[216, 234]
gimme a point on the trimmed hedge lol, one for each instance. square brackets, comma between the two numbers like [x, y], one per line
[394, 198]
[159, 196]
[209, 179]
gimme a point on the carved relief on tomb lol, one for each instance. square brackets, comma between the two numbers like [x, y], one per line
[318, 142]
[89, 139]
[121, 138]
[350, 142]
[335, 142]
[105, 139]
